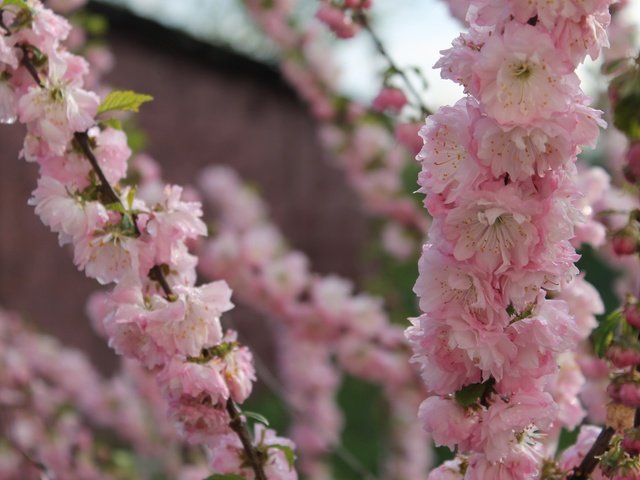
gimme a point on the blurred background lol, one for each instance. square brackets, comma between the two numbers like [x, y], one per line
[219, 99]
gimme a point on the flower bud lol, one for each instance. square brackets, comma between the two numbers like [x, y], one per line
[630, 394]
[632, 314]
[357, 4]
[632, 168]
[622, 357]
[625, 241]
[631, 441]
[391, 99]
[337, 21]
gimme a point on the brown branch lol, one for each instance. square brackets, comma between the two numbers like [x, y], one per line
[155, 274]
[28, 64]
[105, 187]
[364, 22]
[238, 426]
[591, 460]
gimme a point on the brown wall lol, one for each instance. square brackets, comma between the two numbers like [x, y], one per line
[210, 107]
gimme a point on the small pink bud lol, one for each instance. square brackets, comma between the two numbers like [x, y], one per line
[625, 241]
[631, 441]
[632, 314]
[337, 21]
[623, 357]
[632, 169]
[407, 135]
[630, 395]
[614, 95]
[391, 99]
[357, 4]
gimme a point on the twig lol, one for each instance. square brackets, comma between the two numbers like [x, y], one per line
[591, 460]
[238, 426]
[362, 20]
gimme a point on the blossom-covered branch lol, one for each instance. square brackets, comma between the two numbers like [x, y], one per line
[155, 314]
[317, 318]
[498, 169]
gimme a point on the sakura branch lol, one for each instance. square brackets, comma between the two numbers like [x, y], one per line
[373, 160]
[155, 314]
[345, 18]
[316, 318]
[52, 400]
[499, 172]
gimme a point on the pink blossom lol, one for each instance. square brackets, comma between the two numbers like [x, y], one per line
[449, 470]
[391, 99]
[128, 318]
[46, 30]
[199, 325]
[573, 455]
[509, 421]
[112, 153]
[444, 284]
[58, 110]
[456, 63]
[236, 367]
[397, 241]
[65, 213]
[521, 78]
[448, 166]
[444, 368]
[407, 135]
[199, 423]
[489, 347]
[582, 36]
[200, 382]
[496, 230]
[336, 20]
[565, 386]
[110, 254]
[521, 464]
[173, 221]
[449, 423]
[226, 455]
[521, 152]
[287, 276]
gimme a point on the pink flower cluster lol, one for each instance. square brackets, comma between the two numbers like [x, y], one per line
[155, 314]
[51, 400]
[498, 169]
[339, 16]
[316, 319]
[372, 157]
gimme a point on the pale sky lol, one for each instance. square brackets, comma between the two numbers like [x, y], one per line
[414, 32]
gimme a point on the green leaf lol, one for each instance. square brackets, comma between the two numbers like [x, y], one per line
[257, 417]
[603, 336]
[224, 476]
[96, 24]
[470, 394]
[131, 196]
[17, 3]
[612, 65]
[288, 453]
[123, 100]
[111, 122]
[128, 224]
[116, 207]
[626, 116]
